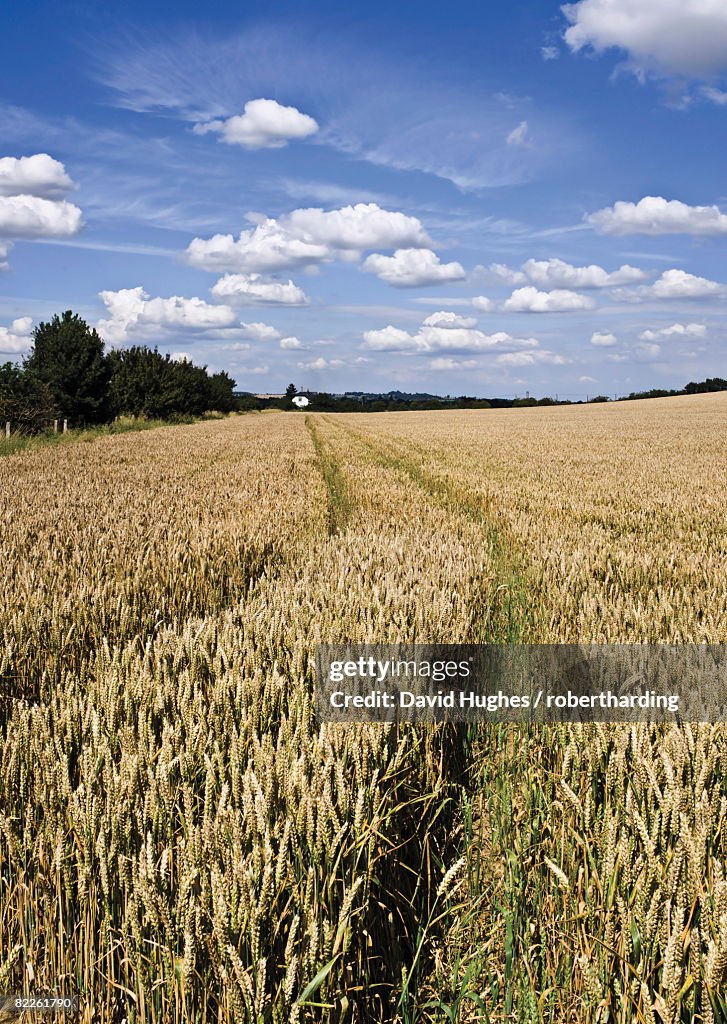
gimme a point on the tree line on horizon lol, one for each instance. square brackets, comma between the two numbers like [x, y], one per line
[69, 374]
[398, 401]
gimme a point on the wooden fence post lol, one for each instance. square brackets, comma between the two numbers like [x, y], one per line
[7, 428]
[65, 426]
[55, 426]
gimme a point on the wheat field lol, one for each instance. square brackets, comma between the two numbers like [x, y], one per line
[182, 840]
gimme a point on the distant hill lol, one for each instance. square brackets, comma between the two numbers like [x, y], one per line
[394, 396]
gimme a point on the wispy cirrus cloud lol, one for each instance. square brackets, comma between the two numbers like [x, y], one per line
[385, 111]
[328, 192]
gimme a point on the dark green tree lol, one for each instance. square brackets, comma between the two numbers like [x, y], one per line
[68, 357]
[703, 386]
[221, 397]
[142, 383]
[146, 383]
[24, 400]
[290, 392]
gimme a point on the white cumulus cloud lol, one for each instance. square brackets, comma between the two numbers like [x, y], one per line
[603, 339]
[265, 124]
[556, 273]
[254, 288]
[678, 284]
[358, 227]
[675, 331]
[389, 339]
[663, 37]
[460, 339]
[530, 300]
[429, 339]
[267, 247]
[412, 268]
[654, 215]
[504, 273]
[482, 303]
[290, 342]
[321, 364]
[447, 319]
[38, 175]
[446, 363]
[306, 237]
[530, 358]
[259, 332]
[26, 216]
[17, 337]
[31, 203]
[135, 313]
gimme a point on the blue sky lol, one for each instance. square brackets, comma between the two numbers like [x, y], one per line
[460, 198]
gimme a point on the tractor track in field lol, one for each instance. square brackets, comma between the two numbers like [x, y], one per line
[339, 498]
[514, 619]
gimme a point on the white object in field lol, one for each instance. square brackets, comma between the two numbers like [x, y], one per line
[301, 401]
